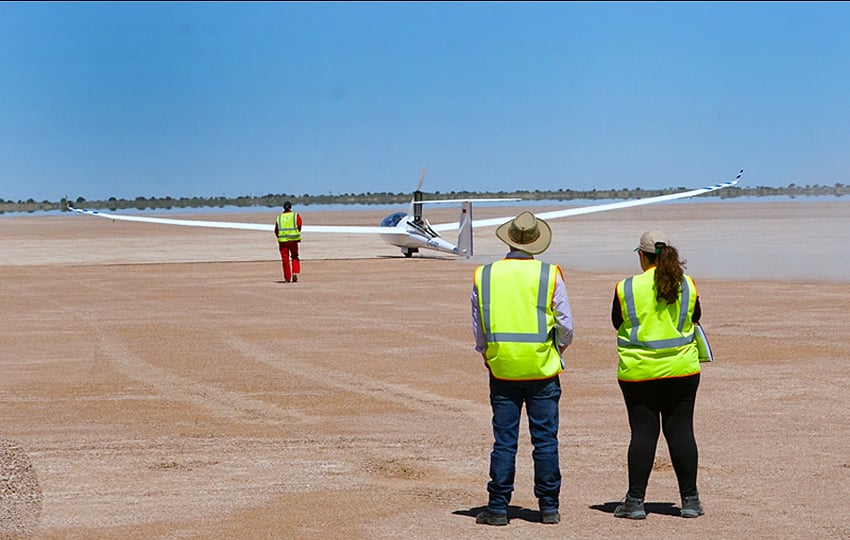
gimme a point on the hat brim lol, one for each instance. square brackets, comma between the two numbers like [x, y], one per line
[538, 246]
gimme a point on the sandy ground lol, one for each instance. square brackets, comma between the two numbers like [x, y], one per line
[159, 382]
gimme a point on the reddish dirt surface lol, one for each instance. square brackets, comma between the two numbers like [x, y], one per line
[159, 382]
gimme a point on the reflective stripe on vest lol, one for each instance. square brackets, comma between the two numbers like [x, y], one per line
[537, 337]
[287, 227]
[520, 336]
[684, 302]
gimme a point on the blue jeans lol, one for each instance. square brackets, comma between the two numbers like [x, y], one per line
[541, 401]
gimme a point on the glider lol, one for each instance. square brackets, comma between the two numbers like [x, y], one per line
[410, 232]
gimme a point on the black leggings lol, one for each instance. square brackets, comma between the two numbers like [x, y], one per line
[672, 402]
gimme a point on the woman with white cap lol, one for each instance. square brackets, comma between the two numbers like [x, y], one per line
[655, 314]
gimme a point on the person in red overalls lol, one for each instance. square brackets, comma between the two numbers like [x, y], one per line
[287, 228]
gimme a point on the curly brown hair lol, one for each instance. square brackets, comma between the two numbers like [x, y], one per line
[669, 272]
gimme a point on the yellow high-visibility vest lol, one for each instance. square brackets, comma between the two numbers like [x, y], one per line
[515, 305]
[287, 227]
[656, 339]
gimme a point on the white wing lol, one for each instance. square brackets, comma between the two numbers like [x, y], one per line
[567, 212]
[357, 229]
[347, 229]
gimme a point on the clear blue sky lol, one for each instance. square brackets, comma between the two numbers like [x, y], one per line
[161, 99]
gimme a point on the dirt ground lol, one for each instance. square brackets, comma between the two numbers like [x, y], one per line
[159, 382]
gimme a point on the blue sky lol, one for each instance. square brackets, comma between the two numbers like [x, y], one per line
[191, 99]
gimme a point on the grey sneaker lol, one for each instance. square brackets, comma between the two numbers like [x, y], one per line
[691, 507]
[631, 508]
[489, 518]
[550, 517]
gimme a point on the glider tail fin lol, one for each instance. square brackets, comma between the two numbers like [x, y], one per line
[464, 232]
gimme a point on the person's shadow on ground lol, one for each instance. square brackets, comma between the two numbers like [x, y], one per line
[514, 512]
[663, 508]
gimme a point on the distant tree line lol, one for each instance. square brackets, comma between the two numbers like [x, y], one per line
[276, 200]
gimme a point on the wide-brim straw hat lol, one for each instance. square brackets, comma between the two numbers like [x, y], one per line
[526, 233]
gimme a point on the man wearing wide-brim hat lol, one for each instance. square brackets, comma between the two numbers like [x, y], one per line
[522, 323]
